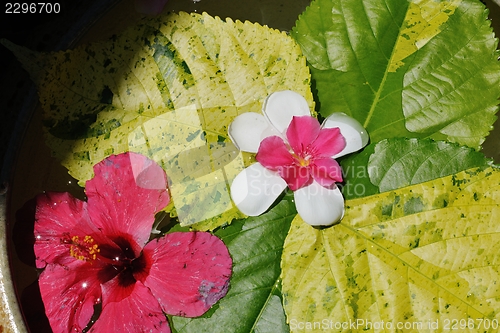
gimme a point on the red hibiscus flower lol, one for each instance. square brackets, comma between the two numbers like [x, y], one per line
[96, 255]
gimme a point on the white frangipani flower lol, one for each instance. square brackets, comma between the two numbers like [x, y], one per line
[294, 151]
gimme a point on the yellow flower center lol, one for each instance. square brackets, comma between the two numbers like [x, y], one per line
[83, 249]
[303, 161]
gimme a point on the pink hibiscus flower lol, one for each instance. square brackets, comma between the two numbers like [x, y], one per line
[294, 151]
[96, 255]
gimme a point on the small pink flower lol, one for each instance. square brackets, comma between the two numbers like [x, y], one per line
[294, 150]
[96, 252]
[307, 154]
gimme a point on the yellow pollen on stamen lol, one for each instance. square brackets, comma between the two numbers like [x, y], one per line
[85, 249]
[303, 161]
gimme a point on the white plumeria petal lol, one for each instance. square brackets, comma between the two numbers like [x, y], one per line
[248, 130]
[354, 133]
[280, 107]
[319, 206]
[255, 189]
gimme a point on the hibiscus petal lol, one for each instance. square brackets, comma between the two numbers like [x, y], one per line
[302, 132]
[248, 129]
[329, 142]
[354, 133]
[125, 193]
[255, 189]
[69, 295]
[273, 153]
[58, 214]
[138, 312]
[326, 171]
[189, 272]
[280, 107]
[319, 206]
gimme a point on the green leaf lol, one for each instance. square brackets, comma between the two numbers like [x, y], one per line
[355, 173]
[422, 255]
[405, 68]
[253, 303]
[167, 88]
[400, 162]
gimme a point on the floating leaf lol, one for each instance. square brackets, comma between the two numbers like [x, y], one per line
[421, 255]
[402, 162]
[167, 88]
[419, 68]
[399, 162]
[253, 303]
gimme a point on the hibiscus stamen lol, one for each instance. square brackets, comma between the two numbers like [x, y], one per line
[83, 249]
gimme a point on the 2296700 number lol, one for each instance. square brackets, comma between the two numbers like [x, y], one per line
[470, 324]
[32, 8]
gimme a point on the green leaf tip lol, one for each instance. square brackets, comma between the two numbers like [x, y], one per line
[253, 302]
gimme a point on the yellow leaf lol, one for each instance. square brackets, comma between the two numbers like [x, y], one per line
[423, 21]
[417, 258]
[168, 89]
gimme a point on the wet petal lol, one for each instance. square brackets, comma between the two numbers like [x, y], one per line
[138, 312]
[326, 171]
[319, 206]
[255, 189]
[69, 295]
[328, 143]
[273, 153]
[302, 132]
[125, 193]
[296, 176]
[248, 129]
[356, 137]
[189, 272]
[57, 215]
[280, 107]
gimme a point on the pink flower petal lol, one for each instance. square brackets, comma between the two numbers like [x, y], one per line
[139, 311]
[273, 153]
[189, 272]
[326, 171]
[354, 133]
[296, 176]
[328, 143]
[302, 132]
[69, 295]
[125, 193]
[58, 214]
